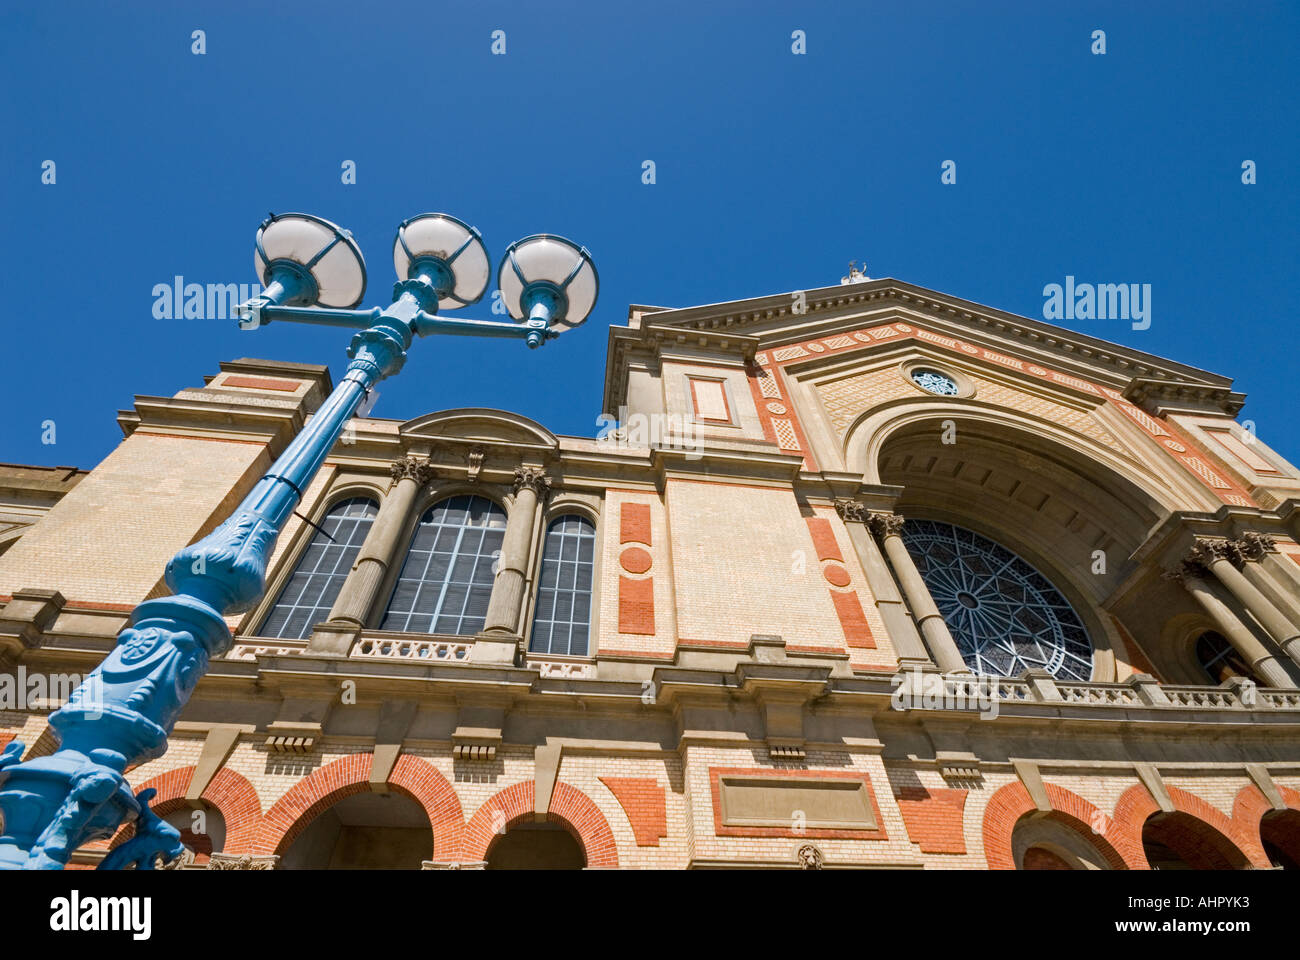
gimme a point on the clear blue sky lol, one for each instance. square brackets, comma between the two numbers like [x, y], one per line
[773, 171]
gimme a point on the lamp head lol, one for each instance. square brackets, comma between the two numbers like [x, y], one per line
[313, 262]
[548, 281]
[446, 252]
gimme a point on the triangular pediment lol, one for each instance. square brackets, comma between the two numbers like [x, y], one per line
[786, 318]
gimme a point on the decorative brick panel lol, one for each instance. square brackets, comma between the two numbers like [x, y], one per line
[636, 606]
[642, 799]
[634, 523]
[857, 633]
[934, 818]
[823, 538]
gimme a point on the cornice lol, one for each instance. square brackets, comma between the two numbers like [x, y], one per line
[1044, 340]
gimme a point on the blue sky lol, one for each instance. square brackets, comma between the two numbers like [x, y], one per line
[773, 170]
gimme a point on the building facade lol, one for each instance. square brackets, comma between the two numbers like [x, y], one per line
[869, 576]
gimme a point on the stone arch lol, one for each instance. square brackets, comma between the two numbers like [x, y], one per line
[1136, 805]
[311, 796]
[1052, 496]
[1012, 802]
[1250, 807]
[570, 807]
[867, 436]
[230, 792]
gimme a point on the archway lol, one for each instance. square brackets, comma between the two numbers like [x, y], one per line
[1068, 512]
[536, 846]
[1180, 841]
[1073, 831]
[1279, 832]
[364, 831]
[203, 829]
[1054, 841]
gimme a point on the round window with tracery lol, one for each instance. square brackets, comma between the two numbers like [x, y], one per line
[1004, 614]
[932, 381]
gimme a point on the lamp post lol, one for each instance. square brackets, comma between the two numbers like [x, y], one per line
[122, 714]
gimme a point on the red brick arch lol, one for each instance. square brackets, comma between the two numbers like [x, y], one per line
[1136, 805]
[1251, 806]
[228, 791]
[313, 795]
[1011, 802]
[570, 807]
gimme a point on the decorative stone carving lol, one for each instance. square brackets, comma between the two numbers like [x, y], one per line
[886, 524]
[184, 862]
[244, 861]
[474, 460]
[809, 857]
[421, 471]
[1207, 551]
[533, 479]
[851, 511]
[1253, 546]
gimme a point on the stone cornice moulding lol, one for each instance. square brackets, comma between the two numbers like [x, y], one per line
[1072, 353]
[967, 314]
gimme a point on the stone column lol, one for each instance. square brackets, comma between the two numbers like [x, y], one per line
[1258, 555]
[381, 549]
[500, 635]
[1266, 666]
[889, 602]
[889, 527]
[1217, 556]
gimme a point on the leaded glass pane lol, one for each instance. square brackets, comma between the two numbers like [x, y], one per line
[315, 584]
[1005, 615]
[446, 580]
[563, 612]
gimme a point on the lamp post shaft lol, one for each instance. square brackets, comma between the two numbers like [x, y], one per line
[123, 712]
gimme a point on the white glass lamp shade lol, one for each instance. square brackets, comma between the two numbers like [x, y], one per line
[553, 262]
[322, 249]
[460, 259]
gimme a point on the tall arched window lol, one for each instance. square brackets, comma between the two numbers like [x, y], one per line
[1220, 659]
[446, 580]
[562, 621]
[310, 593]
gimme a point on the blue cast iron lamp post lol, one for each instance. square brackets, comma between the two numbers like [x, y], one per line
[124, 711]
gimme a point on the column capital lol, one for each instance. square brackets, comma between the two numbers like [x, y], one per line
[409, 468]
[851, 511]
[1188, 569]
[886, 524]
[533, 478]
[1252, 546]
[1209, 550]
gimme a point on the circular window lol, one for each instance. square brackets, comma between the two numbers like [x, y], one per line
[932, 381]
[1004, 614]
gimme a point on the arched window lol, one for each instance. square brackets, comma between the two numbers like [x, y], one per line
[306, 599]
[562, 621]
[446, 580]
[1004, 614]
[1220, 659]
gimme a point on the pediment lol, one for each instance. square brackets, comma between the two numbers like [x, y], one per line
[775, 322]
[480, 424]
